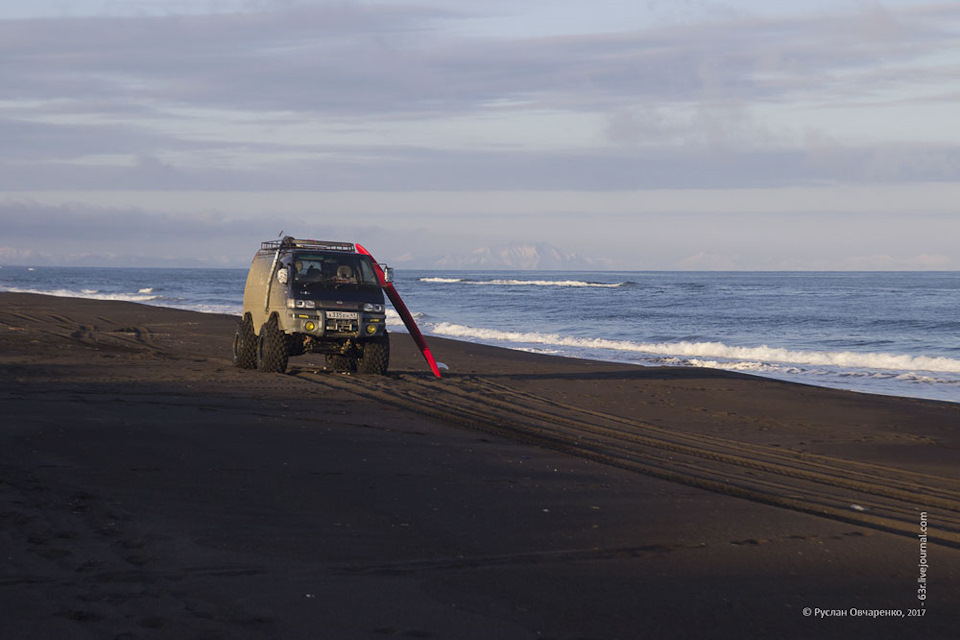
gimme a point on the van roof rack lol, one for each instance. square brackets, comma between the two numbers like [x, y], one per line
[296, 243]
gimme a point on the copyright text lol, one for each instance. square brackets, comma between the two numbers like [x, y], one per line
[856, 612]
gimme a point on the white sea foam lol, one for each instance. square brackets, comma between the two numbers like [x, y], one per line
[552, 283]
[394, 319]
[788, 371]
[226, 309]
[143, 295]
[524, 283]
[93, 294]
[748, 357]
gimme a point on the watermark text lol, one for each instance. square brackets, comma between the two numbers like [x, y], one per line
[922, 563]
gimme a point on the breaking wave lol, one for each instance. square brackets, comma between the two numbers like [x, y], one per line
[394, 319]
[93, 294]
[144, 295]
[526, 283]
[697, 353]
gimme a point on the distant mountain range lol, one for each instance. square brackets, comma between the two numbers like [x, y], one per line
[518, 257]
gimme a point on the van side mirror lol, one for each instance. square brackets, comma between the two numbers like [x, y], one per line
[388, 274]
[283, 275]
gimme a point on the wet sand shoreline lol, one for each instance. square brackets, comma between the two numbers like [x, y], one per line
[150, 489]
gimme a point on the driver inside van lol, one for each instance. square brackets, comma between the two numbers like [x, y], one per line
[330, 271]
[306, 272]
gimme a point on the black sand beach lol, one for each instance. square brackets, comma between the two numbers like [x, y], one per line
[149, 489]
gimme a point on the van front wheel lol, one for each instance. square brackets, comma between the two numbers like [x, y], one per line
[274, 350]
[375, 357]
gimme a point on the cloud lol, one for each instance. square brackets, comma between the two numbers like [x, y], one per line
[393, 98]
[37, 233]
[160, 83]
[83, 223]
[342, 167]
[350, 59]
[76, 233]
[303, 58]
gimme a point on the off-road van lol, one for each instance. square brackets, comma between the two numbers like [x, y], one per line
[312, 296]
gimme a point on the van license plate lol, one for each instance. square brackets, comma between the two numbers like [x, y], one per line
[342, 315]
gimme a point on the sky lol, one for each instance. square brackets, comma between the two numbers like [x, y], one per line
[658, 134]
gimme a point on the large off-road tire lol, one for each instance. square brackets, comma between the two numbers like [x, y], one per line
[375, 356]
[338, 362]
[245, 344]
[274, 349]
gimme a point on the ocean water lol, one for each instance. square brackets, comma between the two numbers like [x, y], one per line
[893, 333]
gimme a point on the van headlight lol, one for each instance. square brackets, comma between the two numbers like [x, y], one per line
[375, 308]
[301, 304]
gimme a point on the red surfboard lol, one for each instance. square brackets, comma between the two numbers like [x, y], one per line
[404, 313]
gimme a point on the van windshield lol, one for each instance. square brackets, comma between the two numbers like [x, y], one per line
[333, 271]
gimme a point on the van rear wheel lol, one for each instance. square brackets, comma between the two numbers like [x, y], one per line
[274, 350]
[245, 344]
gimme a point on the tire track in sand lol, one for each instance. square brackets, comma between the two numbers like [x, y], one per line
[870, 495]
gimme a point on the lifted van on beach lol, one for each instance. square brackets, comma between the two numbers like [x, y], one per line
[312, 296]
